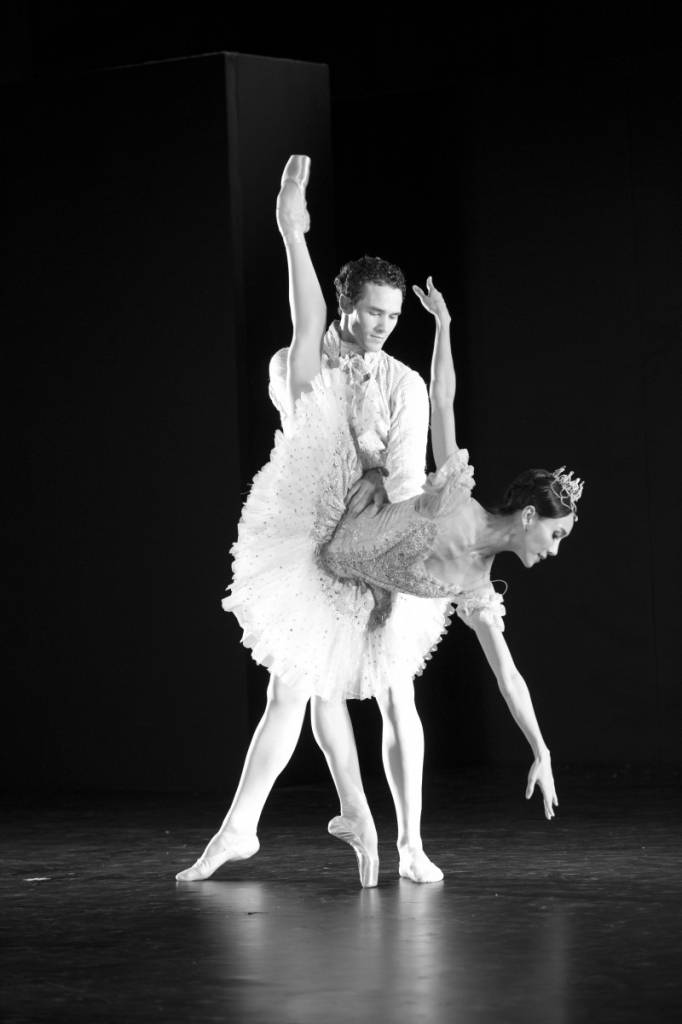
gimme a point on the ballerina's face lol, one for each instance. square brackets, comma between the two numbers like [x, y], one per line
[373, 317]
[542, 536]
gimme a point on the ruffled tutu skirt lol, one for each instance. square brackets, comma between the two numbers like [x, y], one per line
[307, 627]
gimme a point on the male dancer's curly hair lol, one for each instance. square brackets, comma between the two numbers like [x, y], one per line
[354, 275]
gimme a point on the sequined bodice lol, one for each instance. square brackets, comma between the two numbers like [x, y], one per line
[389, 550]
[395, 562]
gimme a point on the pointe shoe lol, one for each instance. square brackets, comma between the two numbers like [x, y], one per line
[368, 859]
[297, 169]
[220, 849]
[293, 219]
[418, 868]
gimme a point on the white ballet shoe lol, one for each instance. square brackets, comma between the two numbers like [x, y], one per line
[293, 219]
[228, 846]
[416, 866]
[365, 849]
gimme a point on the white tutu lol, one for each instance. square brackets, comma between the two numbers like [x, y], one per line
[305, 626]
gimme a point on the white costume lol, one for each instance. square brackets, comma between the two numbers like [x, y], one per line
[319, 624]
[399, 408]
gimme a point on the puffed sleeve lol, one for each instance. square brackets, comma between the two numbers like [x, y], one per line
[447, 488]
[277, 388]
[408, 433]
[485, 603]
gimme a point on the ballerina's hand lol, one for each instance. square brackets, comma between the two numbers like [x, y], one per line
[432, 300]
[540, 774]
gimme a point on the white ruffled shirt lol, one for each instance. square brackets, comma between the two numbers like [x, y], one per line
[399, 408]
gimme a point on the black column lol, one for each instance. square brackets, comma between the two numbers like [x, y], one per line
[142, 227]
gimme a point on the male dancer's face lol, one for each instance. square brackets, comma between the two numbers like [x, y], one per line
[373, 317]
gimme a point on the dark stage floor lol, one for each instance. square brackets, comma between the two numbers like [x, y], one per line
[574, 920]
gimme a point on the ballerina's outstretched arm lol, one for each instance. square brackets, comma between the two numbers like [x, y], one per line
[516, 694]
[443, 382]
[306, 301]
[444, 443]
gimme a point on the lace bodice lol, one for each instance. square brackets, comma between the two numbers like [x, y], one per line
[389, 550]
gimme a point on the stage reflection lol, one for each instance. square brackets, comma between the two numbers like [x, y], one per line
[413, 952]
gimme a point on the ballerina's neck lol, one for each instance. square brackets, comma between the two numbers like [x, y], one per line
[465, 534]
[458, 556]
[490, 533]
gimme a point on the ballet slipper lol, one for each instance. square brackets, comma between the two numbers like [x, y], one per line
[365, 851]
[415, 865]
[223, 847]
[293, 219]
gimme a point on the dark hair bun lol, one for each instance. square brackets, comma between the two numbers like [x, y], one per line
[533, 487]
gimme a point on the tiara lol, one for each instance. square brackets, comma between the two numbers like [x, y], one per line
[566, 489]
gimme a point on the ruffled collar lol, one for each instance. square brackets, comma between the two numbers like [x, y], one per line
[336, 347]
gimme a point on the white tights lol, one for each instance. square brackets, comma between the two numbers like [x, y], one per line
[269, 752]
[271, 748]
[403, 759]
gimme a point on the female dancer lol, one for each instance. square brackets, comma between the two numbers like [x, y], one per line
[351, 605]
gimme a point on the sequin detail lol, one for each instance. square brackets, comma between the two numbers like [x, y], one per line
[389, 550]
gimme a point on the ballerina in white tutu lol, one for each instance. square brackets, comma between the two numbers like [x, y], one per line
[341, 594]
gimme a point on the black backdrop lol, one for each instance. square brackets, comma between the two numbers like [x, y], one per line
[536, 175]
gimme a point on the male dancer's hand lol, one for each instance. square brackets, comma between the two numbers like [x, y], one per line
[368, 490]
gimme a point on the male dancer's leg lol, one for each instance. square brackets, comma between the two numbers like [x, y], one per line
[270, 750]
[403, 757]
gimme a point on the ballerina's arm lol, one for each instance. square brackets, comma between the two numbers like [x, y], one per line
[443, 381]
[515, 692]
